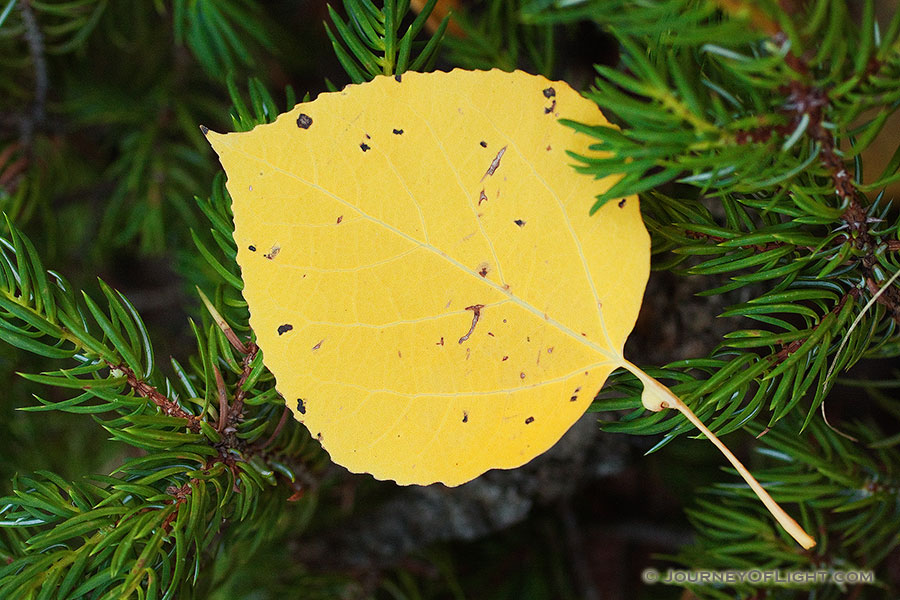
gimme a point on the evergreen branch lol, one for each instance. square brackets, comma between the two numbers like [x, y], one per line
[369, 43]
[501, 35]
[845, 493]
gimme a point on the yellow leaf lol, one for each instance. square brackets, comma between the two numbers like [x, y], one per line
[422, 272]
[424, 278]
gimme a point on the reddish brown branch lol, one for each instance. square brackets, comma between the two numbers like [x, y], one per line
[719, 239]
[805, 101]
[795, 345]
[168, 407]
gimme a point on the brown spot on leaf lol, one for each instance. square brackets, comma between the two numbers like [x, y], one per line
[483, 270]
[490, 334]
[204, 129]
[522, 375]
[399, 354]
[398, 77]
[549, 148]
[465, 417]
[483, 144]
[339, 219]
[398, 132]
[482, 197]
[519, 222]
[364, 147]
[504, 358]
[529, 420]
[317, 346]
[440, 343]
[282, 329]
[622, 202]
[301, 406]
[319, 436]
[551, 108]
[251, 248]
[549, 92]
[495, 164]
[304, 121]
[476, 310]
[575, 394]
[273, 252]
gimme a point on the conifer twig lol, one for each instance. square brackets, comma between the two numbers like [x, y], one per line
[145, 390]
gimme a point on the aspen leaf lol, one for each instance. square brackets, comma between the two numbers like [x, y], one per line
[423, 275]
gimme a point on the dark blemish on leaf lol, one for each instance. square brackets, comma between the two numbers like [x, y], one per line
[506, 287]
[398, 132]
[319, 436]
[483, 271]
[468, 352]
[273, 252]
[519, 222]
[282, 329]
[465, 417]
[339, 219]
[399, 354]
[549, 92]
[476, 310]
[550, 350]
[504, 358]
[364, 147]
[251, 248]
[304, 121]
[622, 202]
[398, 77]
[504, 320]
[204, 129]
[317, 346]
[495, 164]
[440, 343]
[583, 334]
[368, 137]
[490, 334]
[522, 375]
[575, 395]
[483, 144]
[529, 420]
[479, 215]
[550, 109]
[549, 148]
[482, 197]
[527, 338]
[301, 407]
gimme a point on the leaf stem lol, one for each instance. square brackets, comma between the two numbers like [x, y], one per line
[656, 397]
